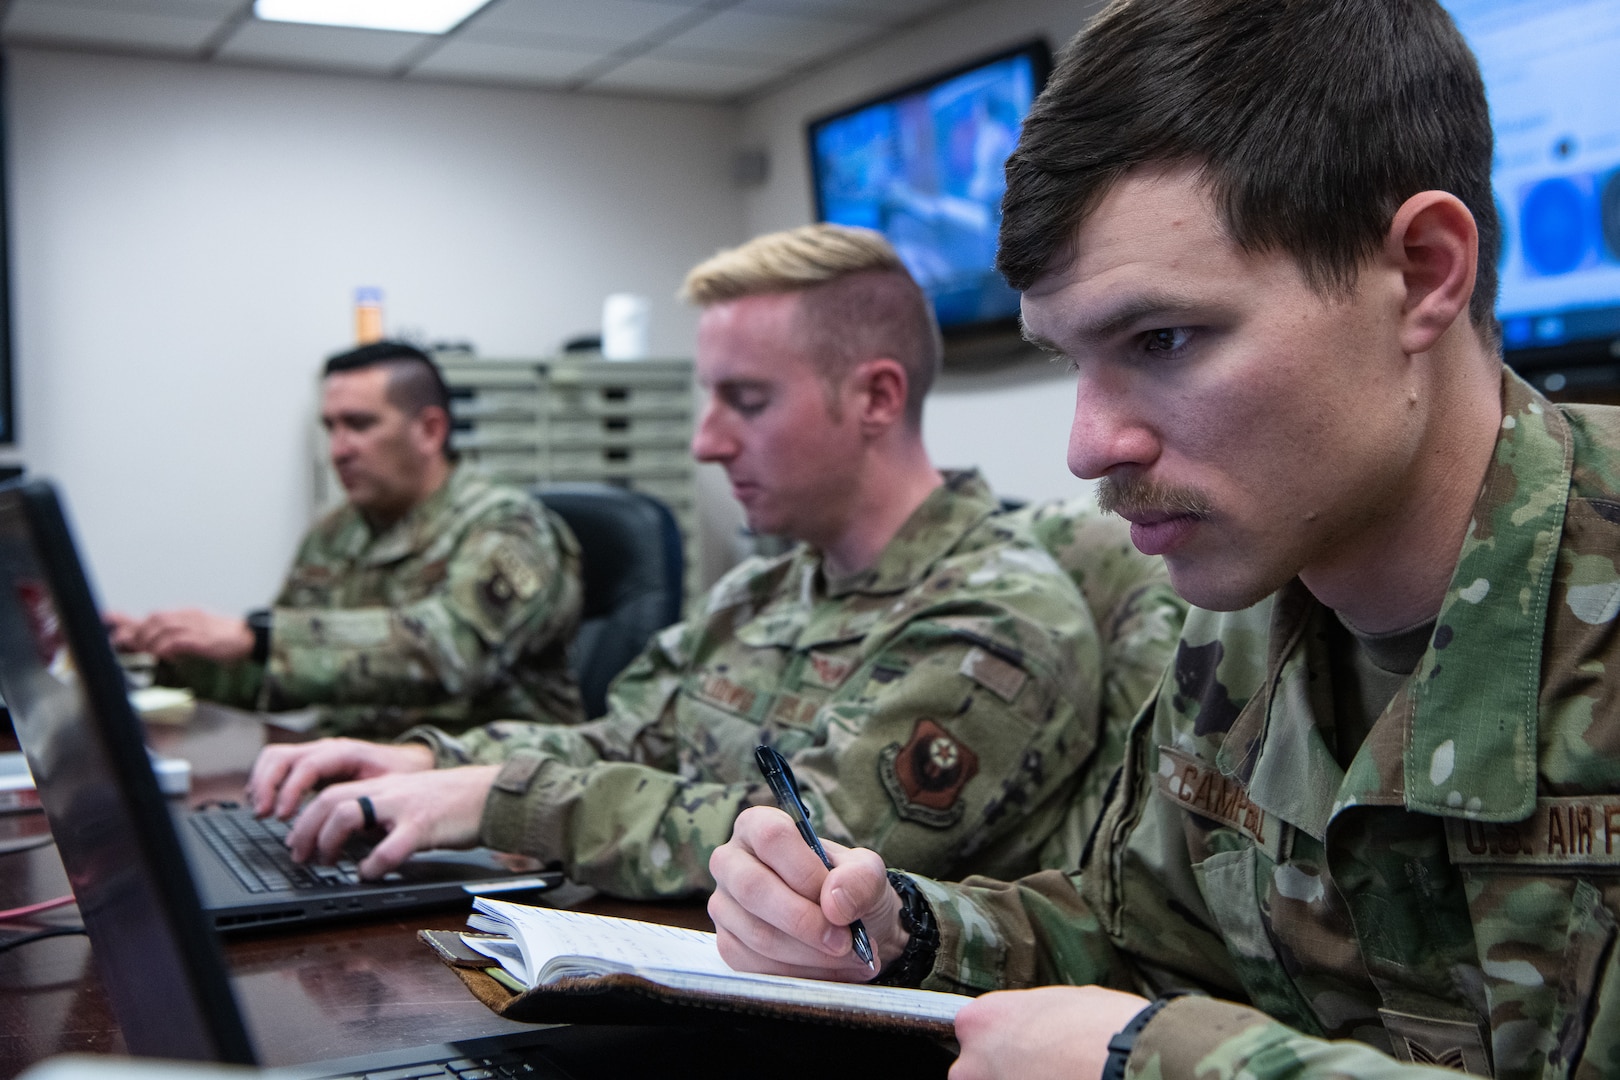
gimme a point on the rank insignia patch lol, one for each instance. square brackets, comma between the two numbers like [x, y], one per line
[516, 576]
[926, 776]
[497, 592]
[826, 670]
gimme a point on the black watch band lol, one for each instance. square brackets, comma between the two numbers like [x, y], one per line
[914, 963]
[259, 622]
[1124, 1040]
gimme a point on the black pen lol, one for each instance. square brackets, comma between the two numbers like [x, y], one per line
[779, 775]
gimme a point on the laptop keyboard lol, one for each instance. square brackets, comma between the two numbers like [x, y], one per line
[256, 851]
[498, 1066]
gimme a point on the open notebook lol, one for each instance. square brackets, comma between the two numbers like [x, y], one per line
[556, 965]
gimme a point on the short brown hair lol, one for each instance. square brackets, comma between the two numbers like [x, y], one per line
[1312, 122]
[857, 301]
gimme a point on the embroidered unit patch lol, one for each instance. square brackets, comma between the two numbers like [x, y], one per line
[926, 775]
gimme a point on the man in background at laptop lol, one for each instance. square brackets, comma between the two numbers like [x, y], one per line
[930, 671]
[431, 596]
[1372, 805]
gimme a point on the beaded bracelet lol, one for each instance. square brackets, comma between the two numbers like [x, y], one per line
[914, 963]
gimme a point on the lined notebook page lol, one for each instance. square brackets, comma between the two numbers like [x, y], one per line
[549, 932]
[675, 957]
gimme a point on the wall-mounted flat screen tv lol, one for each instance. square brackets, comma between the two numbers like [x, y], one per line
[1552, 74]
[923, 166]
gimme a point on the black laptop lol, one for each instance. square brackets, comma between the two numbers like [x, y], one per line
[159, 957]
[56, 665]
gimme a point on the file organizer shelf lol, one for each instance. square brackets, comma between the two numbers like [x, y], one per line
[568, 420]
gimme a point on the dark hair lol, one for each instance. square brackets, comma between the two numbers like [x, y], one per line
[414, 380]
[1312, 121]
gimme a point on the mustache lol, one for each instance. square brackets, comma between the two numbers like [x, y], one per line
[1128, 495]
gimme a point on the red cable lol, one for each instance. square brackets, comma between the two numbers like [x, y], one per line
[35, 909]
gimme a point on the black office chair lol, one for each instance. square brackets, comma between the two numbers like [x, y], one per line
[631, 560]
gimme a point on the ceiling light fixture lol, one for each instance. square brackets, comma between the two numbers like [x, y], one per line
[411, 16]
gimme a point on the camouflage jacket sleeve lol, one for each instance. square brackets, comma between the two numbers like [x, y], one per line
[934, 691]
[229, 684]
[1138, 617]
[602, 797]
[1138, 614]
[504, 578]
[635, 730]
[1236, 1042]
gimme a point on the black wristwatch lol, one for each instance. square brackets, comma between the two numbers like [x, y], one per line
[259, 622]
[914, 963]
[1124, 1040]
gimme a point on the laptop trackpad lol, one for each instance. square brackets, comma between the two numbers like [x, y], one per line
[476, 864]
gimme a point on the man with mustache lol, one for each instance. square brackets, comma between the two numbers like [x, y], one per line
[1371, 818]
[431, 596]
[934, 677]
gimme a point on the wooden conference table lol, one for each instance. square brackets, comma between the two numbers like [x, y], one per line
[309, 994]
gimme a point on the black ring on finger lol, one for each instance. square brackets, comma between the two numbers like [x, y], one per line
[368, 813]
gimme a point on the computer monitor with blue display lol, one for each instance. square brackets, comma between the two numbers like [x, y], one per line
[924, 166]
[1552, 75]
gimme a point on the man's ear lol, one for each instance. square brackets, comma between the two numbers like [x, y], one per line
[434, 425]
[880, 386]
[1435, 244]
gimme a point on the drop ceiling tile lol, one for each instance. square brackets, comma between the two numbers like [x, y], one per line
[134, 29]
[333, 48]
[513, 63]
[877, 12]
[753, 34]
[555, 22]
[682, 78]
[197, 9]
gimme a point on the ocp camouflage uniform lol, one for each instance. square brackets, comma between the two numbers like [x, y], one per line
[459, 613]
[1138, 617]
[1450, 897]
[941, 706]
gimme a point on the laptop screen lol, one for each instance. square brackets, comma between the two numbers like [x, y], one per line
[158, 957]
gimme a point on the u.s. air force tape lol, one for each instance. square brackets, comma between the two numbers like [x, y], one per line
[1573, 833]
[1579, 831]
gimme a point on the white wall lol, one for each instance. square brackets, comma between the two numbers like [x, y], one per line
[187, 238]
[1013, 421]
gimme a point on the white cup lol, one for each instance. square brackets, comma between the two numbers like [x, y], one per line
[624, 326]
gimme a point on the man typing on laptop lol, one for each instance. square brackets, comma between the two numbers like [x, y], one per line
[928, 668]
[431, 596]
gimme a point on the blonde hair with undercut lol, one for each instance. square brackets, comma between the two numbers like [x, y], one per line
[857, 301]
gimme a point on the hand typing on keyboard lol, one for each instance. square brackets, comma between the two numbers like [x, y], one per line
[416, 807]
[437, 809]
[284, 773]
